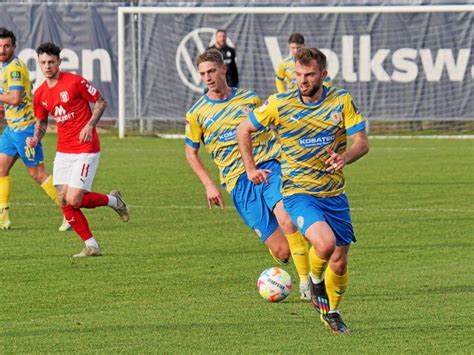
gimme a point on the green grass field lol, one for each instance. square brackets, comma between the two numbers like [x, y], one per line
[179, 278]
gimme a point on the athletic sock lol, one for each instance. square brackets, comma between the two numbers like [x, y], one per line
[93, 200]
[299, 251]
[92, 242]
[48, 187]
[112, 201]
[317, 265]
[78, 221]
[5, 191]
[336, 285]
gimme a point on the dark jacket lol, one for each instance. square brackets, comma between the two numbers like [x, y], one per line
[229, 58]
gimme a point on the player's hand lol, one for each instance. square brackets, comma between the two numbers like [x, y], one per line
[214, 197]
[31, 142]
[258, 176]
[335, 161]
[86, 134]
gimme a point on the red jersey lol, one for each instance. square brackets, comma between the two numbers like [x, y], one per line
[68, 102]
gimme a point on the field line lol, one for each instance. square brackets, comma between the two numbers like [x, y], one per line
[204, 207]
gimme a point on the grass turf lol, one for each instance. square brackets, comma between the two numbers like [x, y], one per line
[179, 278]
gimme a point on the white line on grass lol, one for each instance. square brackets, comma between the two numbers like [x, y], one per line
[201, 207]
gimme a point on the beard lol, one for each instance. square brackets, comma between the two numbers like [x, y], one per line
[312, 92]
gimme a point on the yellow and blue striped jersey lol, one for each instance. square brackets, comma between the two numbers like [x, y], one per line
[15, 76]
[285, 79]
[214, 122]
[304, 131]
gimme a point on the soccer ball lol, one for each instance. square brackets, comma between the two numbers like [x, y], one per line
[274, 284]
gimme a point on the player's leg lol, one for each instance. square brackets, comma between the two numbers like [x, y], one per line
[82, 177]
[307, 215]
[249, 202]
[6, 162]
[65, 172]
[298, 244]
[299, 248]
[337, 214]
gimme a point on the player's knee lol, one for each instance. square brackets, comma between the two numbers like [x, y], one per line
[282, 253]
[74, 201]
[287, 226]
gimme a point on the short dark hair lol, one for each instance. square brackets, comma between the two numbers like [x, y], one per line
[296, 37]
[211, 55]
[6, 33]
[48, 48]
[221, 30]
[305, 55]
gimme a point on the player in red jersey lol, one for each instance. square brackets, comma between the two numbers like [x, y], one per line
[66, 97]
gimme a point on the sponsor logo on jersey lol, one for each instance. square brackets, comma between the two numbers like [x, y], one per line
[15, 75]
[60, 114]
[320, 140]
[64, 96]
[335, 117]
[227, 136]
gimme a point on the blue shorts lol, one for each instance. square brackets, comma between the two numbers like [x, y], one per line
[306, 210]
[255, 203]
[13, 143]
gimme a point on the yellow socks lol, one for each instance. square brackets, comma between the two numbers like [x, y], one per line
[299, 251]
[335, 287]
[48, 187]
[5, 192]
[317, 266]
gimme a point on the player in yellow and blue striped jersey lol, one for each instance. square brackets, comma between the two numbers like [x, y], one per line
[313, 123]
[15, 96]
[212, 121]
[285, 78]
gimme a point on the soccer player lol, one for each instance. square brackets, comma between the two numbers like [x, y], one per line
[228, 53]
[285, 79]
[213, 120]
[15, 99]
[313, 123]
[66, 97]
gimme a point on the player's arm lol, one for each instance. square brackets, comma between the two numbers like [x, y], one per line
[355, 128]
[40, 131]
[99, 108]
[244, 138]
[213, 193]
[12, 97]
[358, 148]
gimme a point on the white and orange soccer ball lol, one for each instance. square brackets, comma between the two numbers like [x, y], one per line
[274, 284]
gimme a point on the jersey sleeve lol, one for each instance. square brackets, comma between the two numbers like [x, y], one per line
[353, 120]
[14, 78]
[87, 91]
[194, 131]
[41, 113]
[280, 78]
[266, 114]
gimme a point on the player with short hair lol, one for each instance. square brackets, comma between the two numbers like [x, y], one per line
[228, 53]
[15, 97]
[213, 120]
[285, 79]
[313, 123]
[66, 97]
